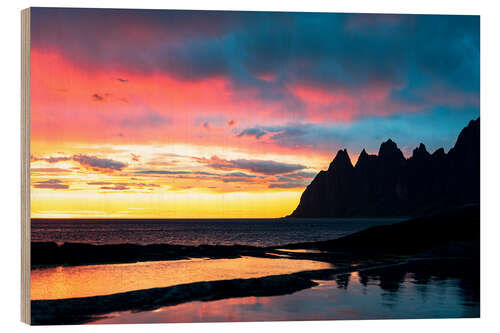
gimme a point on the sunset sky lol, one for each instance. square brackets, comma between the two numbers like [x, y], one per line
[204, 114]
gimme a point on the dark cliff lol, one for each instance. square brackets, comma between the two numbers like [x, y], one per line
[388, 184]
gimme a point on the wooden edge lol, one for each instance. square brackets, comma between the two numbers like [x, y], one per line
[25, 167]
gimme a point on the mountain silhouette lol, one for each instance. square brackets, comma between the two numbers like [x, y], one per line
[388, 184]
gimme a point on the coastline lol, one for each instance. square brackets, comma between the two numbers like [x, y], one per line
[87, 309]
[374, 248]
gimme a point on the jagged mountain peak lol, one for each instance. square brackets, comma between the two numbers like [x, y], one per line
[469, 134]
[421, 152]
[363, 158]
[439, 152]
[390, 185]
[341, 161]
[389, 150]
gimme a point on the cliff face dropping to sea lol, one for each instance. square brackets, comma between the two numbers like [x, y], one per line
[388, 184]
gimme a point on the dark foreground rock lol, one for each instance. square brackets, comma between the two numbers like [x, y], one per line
[45, 254]
[455, 226]
[388, 184]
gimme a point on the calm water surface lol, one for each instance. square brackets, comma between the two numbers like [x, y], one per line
[256, 232]
[435, 292]
[93, 280]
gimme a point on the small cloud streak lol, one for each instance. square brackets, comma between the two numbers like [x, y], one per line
[256, 132]
[53, 184]
[44, 170]
[50, 159]
[265, 167]
[99, 163]
[97, 98]
[121, 186]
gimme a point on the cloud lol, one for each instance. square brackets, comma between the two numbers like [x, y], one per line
[174, 172]
[53, 184]
[118, 187]
[228, 177]
[108, 97]
[339, 54]
[43, 170]
[288, 185]
[256, 132]
[298, 179]
[99, 183]
[99, 163]
[50, 159]
[98, 98]
[121, 186]
[85, 160]
[239, 174]
[265, 167]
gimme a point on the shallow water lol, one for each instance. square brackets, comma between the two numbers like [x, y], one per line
[255, 232]
[430, 292]
[93, 280]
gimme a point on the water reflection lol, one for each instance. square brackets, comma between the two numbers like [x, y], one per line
[92, 280]
[444, 290]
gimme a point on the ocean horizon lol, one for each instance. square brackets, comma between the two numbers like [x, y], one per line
[194, 232]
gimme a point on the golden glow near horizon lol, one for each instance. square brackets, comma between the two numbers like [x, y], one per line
[162, 181]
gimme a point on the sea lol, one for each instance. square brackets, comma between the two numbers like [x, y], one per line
[253, 232]
[443, 290]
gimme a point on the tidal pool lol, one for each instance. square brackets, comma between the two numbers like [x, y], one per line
[94, 280]
[436, 291]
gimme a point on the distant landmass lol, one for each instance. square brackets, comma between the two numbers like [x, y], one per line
[388, 184]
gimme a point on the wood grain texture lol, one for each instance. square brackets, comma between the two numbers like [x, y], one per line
[25, 166]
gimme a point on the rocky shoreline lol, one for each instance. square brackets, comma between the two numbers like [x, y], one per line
[444, 237]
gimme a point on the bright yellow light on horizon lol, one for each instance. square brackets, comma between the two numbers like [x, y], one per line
[90, 193]
[67, 204]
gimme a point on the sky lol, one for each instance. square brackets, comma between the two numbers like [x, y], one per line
[213, 114]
